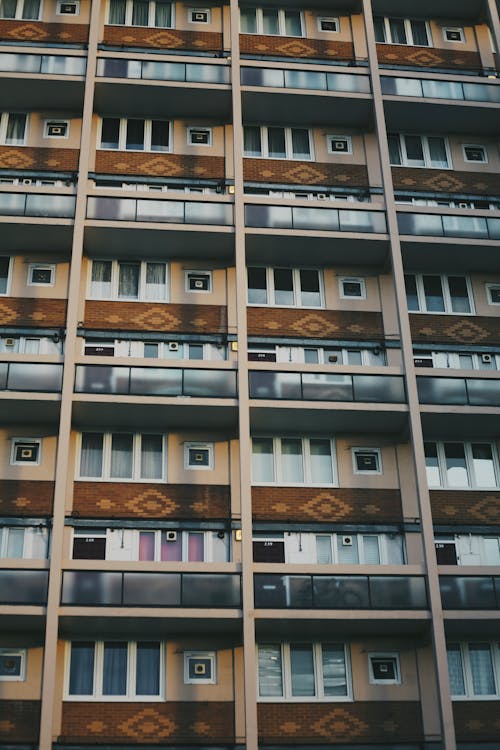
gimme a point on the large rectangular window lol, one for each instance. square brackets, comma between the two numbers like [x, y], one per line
[293, 460]
[128, 280]
[460, 465]
[131, 134]
[4, 274]
[285, 287]
[13, 127]
[474, 669]
[402, 31]
[141, 13]
[272, 142]
[435, 293]
[419, 151]
[28, 10]
[122, 456]
[273, 21]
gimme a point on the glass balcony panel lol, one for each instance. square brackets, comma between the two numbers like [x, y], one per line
[275, 385]
[276, 591]
[23, 586]
[91, 587]
[341, 592]
[117, 68]
[321, 219]
[493, 229]
[34, 377]
[209, 384]
[421, 224]
[348, 83]
[467, 592]
[155, 381]
[151, 589]
[215, 590]
[4, 369]
[111, 209]
[398, 592]
[101, 379]
[271, 77]
[326, 387]
[207, 73]
[388, 389]
[480, 92]
[209, 213]
[442, 89]
[304, 79]
[63, 66]
[163, 71]
[163, 211]
[362, 221]
[273, 217]
[483, 392]
[442, 391]
[12, 204]
[496, 582]
[401, 86]
[11, 63]
[54, 206]
[465, 226]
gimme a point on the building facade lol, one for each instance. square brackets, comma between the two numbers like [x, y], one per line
[249, 374]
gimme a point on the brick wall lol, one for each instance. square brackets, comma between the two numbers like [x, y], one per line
[457, 329]
[476, 721]
[148, 723]
[160, 165]
[19, 721]
[44, 159]
[308, 504]
[38, 31]
[445, 180]
[135, 36]
[331, 723]
[151, 316]
[21, 497]
[134, 500]
[279, 46]
[29, 311]
[470, 507]
[283, 321]
[428, 57]
[305, 172]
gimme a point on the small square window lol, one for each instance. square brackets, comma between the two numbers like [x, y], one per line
[25, 451]
[56, 129]
[493, 294]
[68, 9]
[199, 136]
[328, 24]
[384, 669]
[12, 664]
[454, 34]
[199, 667]
[199, 15]
[199, 456]
[339, 144]
[198, 281]
[475, 153]
[39, 275]
[366, 461]
[351, 288]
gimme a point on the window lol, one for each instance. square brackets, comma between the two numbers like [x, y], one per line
[273, 21]
[115, 670]
[453, 34]
[419, 151]
[461, 465]
[303, 671]
[121, 455]
[270, 142]
[199, 667]
[135, 135]
[24, 542]
[41, 275]
[28, 10]
[457, 360]
[56, 129]
[339, 144]
[352, 288]
[293, 460]
[474, 153]
[13, 128]
[25, 451]
[402, 31]
[199, 136]
[366, 460]
[285, 287]
[199, 15]
[467, 549]
[128, 280]
[198, 281]
[4, 274]
[384, 669]
[474, 669]
[12, 664]
[309, 548]
[492, 289]
[168, 350]
[328, 24]
[141, 13]
[68, 9]
[438, 294]
[198, 456]
[30, 345]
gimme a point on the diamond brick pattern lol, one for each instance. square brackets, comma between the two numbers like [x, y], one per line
[428, 57]
[305, 172]
[459, 329]
[316, 324]
[152, 316]
[475, 721]
[160, 165]
[444, 181]
[43, 159]
[136, 36]
[29, 311]
[472, 507]
[38, 31]
[278, 46]
[19, 721]
[22, 497]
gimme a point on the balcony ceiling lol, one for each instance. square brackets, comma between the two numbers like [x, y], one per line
[467, 422]
[281, 107]
[447, 9]
[29, 408]
[125, 626]
[46, 94]
[406, 115]
[341, 623]
[293, 417]
[432, 254]
[24, 235]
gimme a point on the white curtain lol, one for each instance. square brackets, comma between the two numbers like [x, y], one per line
[140, 13]
[270, 676]
[321, 461]
[117, 12]
[270, 23]
[483, 680]
[251, 139]
[155, 281]
[334, 670]
[300, 143]
[122, 456]
[248, 20]
[7, 8]
[302, 669]
[455, 670]
[114, 680]
[16, 128]
[31, 10]
[100, 285]
[262, 460]
[128, 280]
[151, 457]
[163, 15]
[292, 466]
[91, 457]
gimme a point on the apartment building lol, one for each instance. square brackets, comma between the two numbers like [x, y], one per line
[249, 374]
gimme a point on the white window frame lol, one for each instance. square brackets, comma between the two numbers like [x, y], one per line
[115, 276]
[331, 19]
[43, 266]
[489, 287]
[10, 266]
[451, 360]
[281, 23]
[480, 146]
[98, 671]
[408, 32]
[151, 16]
[53, 121]
[459, 29]
[467, 445]
[296, 288]
[347, 138]
[4, 119]
[136, 455]
[376, 452]
[352, 280]
[148, 130]
[199, 446]
[192, 11]
[280, 480]
[19, 13]
[192, 272]
[264, 143]
[422, 308]
[469, 694]
[22, 670]
[211, 656]
[286, 674]
[424, 139]
[68, 2]
[191, 129]
[15, 441]
[384, 655]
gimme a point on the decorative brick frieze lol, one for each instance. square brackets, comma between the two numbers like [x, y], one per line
[22, 497]
[19, 721]
[136, 36]
[476, 721]
[472, 507]
[43, 159]
[32, 311]
[198, 722]
[445, 181]
[305, 173]
[326, 505]
[166, 501]
[316, 324]
[152, 316]
[332, 723]
[39, 31]
[289, 46]
[160, 165]
[458, 329]
[428, 57]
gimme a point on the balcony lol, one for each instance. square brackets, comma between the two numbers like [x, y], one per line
[20, 381]
[42, 81]
[128, 37]
[459, 391]
[15, 31]
[35, 221]
[470, 592]
[472, 405]
[23, 587]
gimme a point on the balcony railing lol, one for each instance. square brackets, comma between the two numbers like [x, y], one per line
[27, 587]
[422, 87]
[470, 592]
[155, 381]
[57, 65]
[147, 70]
[30, 376]
[339, 592]
[315, 219]
[305, 79]
[28, 204]
[161, 211]
[459, 391]
[445, 225]
[326, 387]
[118, 589]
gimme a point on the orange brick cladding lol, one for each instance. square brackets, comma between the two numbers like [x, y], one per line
[44, 159]
[476, 721]
[134, 36]
[308, 504]
[305, 172]
[19, 721]
[445, 181]
[428, 57]
[151, 316]
[148, 723]
[38, 31]
[458, 329]
[28, 311]
[160, 165]
[172, 501]
[21, 497]
[278, 46]
[318, 324]
[331, 723]
[471, 507]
